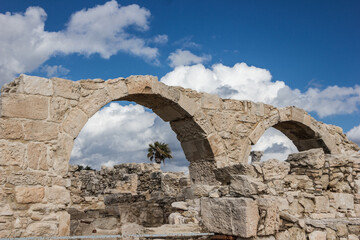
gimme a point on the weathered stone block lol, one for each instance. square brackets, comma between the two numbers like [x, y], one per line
[322, 204]
[257, 133]
[92, 103]
[66, 88]
[37, 156]
[25, 106]
[57, 195]
[35, 85]
[140, 84]
[275, 169]
[27, 194]
[297, 234]
[317, 235]
[117, 88]
[41, 229]
[269, 214]
[11, 129]
[74, 122]
[230, 216]
[246, 185]
[40, 131]
[58, 108]
[342, 200]
[211, 101]
[12, 153]
[313, 158]
[64, 223]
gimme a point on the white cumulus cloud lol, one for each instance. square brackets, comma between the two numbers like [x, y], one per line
[119, 134]
[354, 134]
[55, 70]
[185, 57]
[25, 45]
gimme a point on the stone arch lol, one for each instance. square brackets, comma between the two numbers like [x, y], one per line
[303, 130]
[172, 104]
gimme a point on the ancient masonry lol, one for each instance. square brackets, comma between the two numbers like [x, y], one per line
[315, 194]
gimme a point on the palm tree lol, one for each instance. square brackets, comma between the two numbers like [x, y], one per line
[159, 152]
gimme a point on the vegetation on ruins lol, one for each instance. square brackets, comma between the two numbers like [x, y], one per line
[159, 152]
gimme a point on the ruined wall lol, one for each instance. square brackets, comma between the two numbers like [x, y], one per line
[311, 195]
[112, 200]
[40, 118]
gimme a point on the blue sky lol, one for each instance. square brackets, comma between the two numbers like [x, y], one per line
[300, 50]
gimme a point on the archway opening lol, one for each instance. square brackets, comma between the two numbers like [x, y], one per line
[273, 144]
[130, 195]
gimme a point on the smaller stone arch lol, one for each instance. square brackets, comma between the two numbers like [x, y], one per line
[304, 131]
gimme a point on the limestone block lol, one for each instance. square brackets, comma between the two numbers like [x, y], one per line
[57, 195]
[40, 131]
[285, 235]
[297, 234]
[269, 214]
[275, 169]
[210, 101]
[313, 158]
[60, 154]
[92, 84]
[168, 92]
[176, 218]
[5, 210]
[25, 106]
[41, 229]
[341, 230]
[180, 205]
[357, 185]
[330, 234]
[37, 156]
[74, 122]
[322, 204]
[357, 210]
[297, 114]
[216, 144]
[308, 204]
[140, 84]
[58, 108]
[246, 185]
[93, 102]
[317, 235]
[342, 200]
[107, 223]
[285, 114]
[230, 216]
[64, 223]
[353, 237]
[131, 229]
[27, 194]
[298, 181]
[257, 133]
[11, 129]
[188, 104]
[12, 153]
[35, 85]
[66, 88]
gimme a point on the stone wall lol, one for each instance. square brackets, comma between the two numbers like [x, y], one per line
[311, 195]
[127, 198]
